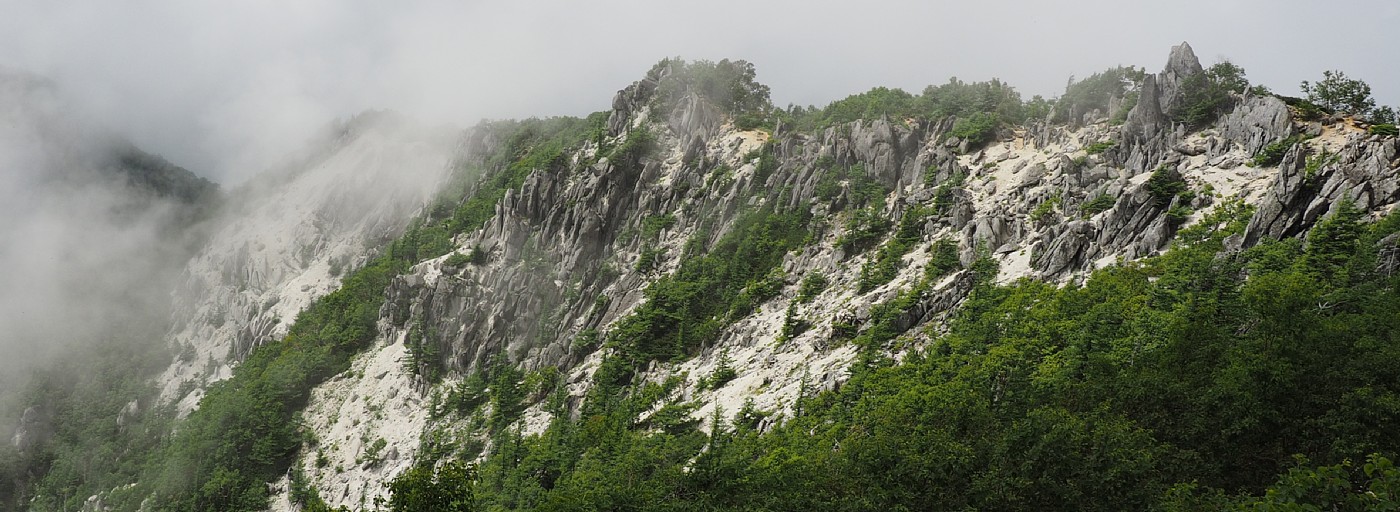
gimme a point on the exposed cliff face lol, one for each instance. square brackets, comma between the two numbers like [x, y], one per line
[286, 239]
[563, 251]
[1344, 163]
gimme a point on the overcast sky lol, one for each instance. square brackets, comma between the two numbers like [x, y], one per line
[225, 87]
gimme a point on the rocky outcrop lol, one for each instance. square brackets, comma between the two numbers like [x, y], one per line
[1314, 176]
[563, 249]
[288, 237]
[1148, 136]
[34, 430]
[1182, 63]
[1256, 122]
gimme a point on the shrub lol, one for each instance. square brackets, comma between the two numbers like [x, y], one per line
[1164, 185]
[931, 176]
[943, 259]
[1272, 154]
[1098, 147]
[978, 128]
[729, 85]
[1095, 92]
[812, 286]
[457, 259]
[724, 371]
[1178, 214]
[646, 261]
[1384, 129]
[450, 488]
[1044, 211]
[863, 229]
[652, 226]
[1315, 164]
[1208, 94]
[1099, 203]
[793, 325]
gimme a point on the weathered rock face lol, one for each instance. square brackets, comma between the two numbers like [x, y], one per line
[1256, 122]
[563, 249]
[1148, 135]
[1181, 64]
[33, 430]
[286, 239]
[1316, 175]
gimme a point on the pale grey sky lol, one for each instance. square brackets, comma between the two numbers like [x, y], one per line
[225, 88]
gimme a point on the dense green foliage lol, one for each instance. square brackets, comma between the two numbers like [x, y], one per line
[1166, 184]
[1384, 129]
[813, 284]
[1337, 92]
[154, 173]
[714, 284]
[1096, 91]
[977, 129]
[886, 263]
[1272, 154]
[1184, 382]
[1099, 203]
[994, 100]
[424, 488]
[96, 443]
[245, 432]
[729, 85]
[1208, 94]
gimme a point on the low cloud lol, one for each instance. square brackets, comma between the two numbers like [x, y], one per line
[88, 257]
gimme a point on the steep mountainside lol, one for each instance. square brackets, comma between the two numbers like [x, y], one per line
[958, 300]
[606, 235]
[288, 238]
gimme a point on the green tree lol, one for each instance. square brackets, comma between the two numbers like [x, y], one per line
[422, 488]
[1384, 114]
[1337, 92]
[1208, 94]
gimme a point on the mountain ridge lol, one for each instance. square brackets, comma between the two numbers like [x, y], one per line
[690, 262]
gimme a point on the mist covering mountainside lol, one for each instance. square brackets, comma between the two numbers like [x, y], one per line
[94, 228]
[1148, 293]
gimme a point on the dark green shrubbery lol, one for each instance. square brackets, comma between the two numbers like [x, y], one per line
[245, 432]
[812, 286]
[1178, 383]
[863, 228]
[1165, 184]
[1272, 154]
[423, 487]
[1336, 92]
[1099, 203]
[1208, 94]
[977, 129]
[885, 265]
[689, 307]
[653, 225]
[729, 85]
[1095, 92]
[457, 259]
[954, 98]
[1098, 147]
